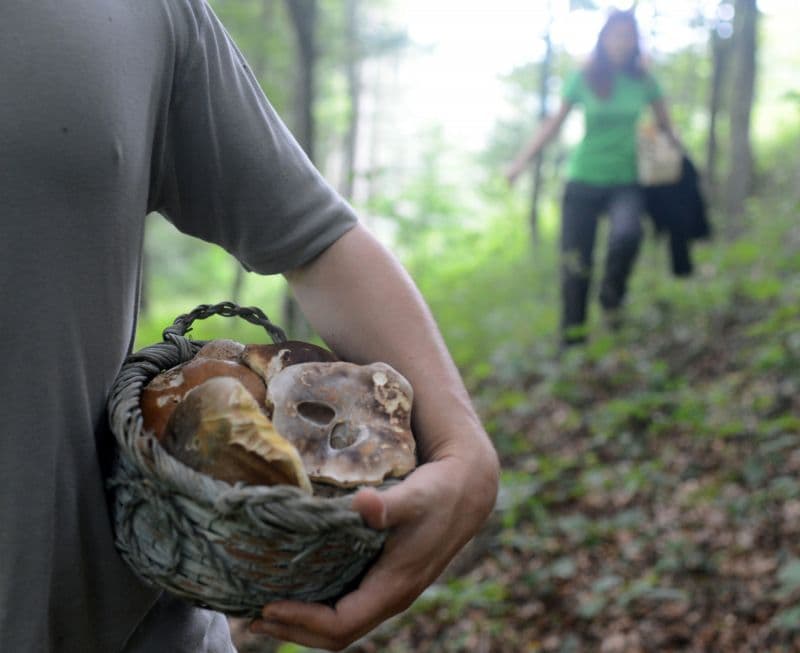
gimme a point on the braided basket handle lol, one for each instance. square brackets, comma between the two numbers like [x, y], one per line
[183, 323]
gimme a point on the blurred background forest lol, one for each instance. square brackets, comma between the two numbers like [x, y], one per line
[650, 495]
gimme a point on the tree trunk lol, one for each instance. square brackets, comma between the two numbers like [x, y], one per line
[720, 53]
[259, 60]
[238, 284]
[353, 70]
[303, 14]
[740, 178]
[537, 161]
[259, 64]
[144, 281]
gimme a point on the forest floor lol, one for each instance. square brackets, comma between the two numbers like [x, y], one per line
[650, 495]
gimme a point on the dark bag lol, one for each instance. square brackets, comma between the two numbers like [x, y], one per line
[680, 211]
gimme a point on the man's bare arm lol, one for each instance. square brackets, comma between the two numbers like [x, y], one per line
[365, 306]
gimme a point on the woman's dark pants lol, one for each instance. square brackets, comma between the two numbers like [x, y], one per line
[583, 205]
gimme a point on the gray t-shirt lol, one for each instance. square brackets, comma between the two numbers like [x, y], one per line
[110, 109]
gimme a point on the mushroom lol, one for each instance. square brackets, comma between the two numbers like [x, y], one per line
[222, 349]
[268, 360]
[219, 430]
[160, 397]
[350, 423]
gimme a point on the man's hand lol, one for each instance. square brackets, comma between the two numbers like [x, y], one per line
[430, 515]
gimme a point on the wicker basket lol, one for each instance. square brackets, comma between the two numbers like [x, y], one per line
[230, 548]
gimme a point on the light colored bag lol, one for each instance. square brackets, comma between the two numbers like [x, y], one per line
[659, 161]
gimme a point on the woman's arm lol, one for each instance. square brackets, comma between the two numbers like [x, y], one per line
[546, 133]
[664, 122]
[365, 306]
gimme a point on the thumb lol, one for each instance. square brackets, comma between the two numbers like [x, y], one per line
[389, 508]
[372, 508]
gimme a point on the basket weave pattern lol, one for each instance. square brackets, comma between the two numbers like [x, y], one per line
[230, 548]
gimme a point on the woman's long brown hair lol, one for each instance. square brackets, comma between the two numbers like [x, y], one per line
[599, 71]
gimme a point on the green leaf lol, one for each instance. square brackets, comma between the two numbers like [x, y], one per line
[789, 576]
[563, 568]
[788, 619]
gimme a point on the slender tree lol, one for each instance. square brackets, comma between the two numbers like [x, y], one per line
[258, 27]
[740, 177]
[544, 79]
[353, 74]
[720, 55]
[303, 15]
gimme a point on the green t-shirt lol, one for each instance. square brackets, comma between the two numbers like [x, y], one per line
[607, 153]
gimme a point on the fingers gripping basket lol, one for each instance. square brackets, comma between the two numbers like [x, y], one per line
[230, 548]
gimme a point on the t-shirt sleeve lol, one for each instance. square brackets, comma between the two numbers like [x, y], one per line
[225, 168]
[652, 89]
[572, 87]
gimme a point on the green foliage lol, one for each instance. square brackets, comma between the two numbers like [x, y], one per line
[788, 619]
[789, 576]
[651, 474]
[181, 273]
[262, 31]
[469, 253]
[457, 596]
[685, 77]
[288, 647]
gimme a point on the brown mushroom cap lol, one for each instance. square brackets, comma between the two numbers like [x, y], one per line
[222, 349]
[160, 397]
[268, 360]
[350, 423]
[219, 430]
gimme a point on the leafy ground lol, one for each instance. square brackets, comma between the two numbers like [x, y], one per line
[650, 496]
[651, 487]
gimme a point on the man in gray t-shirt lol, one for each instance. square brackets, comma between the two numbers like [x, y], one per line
[110, 109]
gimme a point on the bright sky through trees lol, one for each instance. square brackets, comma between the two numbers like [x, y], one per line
[469, 44]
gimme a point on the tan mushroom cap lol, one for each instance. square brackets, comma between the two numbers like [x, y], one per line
[350, 423]
[219, 430]
[160, 397]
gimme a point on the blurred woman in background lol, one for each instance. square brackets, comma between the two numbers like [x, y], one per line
[613, 88]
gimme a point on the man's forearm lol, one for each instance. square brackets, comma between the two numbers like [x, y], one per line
[366, 307]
